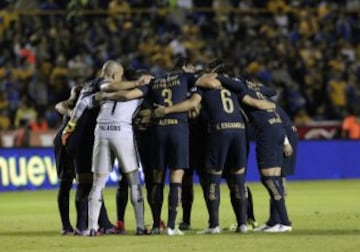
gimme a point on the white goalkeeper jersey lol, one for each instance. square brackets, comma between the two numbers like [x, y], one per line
[117, 112]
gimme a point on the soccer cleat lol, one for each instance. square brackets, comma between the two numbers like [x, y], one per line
[184, 226]
[273, 229]
[111, 230]
[155, 231]
[78, 232]
[242, 229]
[261, 228]
[67, 231]
[279, 228]
[120, 226]
[175, 231]
[93, 233]
[285, 228]
[208, 230]
[142, 231]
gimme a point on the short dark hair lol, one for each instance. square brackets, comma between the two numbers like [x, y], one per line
[218, 66]
[181, 61]
[130, 74]
[215, 64]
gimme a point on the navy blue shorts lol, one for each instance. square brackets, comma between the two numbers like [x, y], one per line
[170, 147]
[226, 149]
[269, 146]
[143, 144]
[81, 142]
[63, 161]
[197, 148]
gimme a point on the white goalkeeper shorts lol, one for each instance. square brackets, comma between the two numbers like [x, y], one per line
[114, 141]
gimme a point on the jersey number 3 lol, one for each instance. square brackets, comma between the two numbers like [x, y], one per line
[226, 101]
[167, 94]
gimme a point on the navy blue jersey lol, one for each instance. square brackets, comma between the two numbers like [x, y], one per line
[242, 86]
[223, 109]
[82, 139]
[170, 89]
[259, 118]
[288, 124]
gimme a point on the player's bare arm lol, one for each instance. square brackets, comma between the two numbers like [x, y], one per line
[288, 150]
[63, 108]
[122, 95]
[126, 85]
[185, 106]
[257, 103]
[208, 81]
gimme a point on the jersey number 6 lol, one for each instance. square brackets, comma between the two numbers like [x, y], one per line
[226, 101]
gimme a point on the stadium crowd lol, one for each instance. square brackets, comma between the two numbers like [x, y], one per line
[308, 50]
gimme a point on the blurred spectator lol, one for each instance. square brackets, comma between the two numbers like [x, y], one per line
[301, 117]
[336, 88]
[4, 120]
[22, 135]
[351, 125]
[25, 112]
[39, 124]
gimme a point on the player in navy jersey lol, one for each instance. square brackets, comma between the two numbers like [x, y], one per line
[171, 134]
[79, 144]
[270, 135]
[197, 151]
[113, 138]
[288, 165]
[64, 162]
[224, 118]
[226, 149]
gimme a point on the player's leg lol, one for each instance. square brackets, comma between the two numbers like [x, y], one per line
[157, 198]
[105, 225]
[187, 199]
[176, 176]
[178, 153]
[237, 160]
[238, 195]
[272, 182]
[158, 172]
[250, 209]
[216, 154]
[95, 202]
[137, 200]
[213, 197]
[65, 171]
[63, 204]
[125, 151]
[122, 195]
[101, 166]
[270, 158]
[83, 189]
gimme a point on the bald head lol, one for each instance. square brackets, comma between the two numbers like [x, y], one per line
[112, 70]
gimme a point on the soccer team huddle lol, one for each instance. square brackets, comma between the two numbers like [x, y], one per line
[182, 121]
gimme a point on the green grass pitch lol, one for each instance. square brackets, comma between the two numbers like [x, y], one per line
[325, 215]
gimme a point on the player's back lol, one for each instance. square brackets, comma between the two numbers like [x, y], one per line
[118, 112]
[83, 136]
[260, 118]
[170, 89]
[223, 108]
